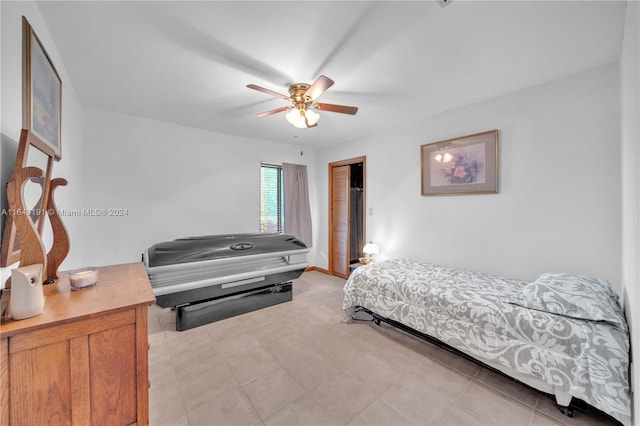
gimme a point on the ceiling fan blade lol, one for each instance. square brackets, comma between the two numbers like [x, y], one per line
[318, 87]
[343, 109]
[267, 91]
[272, 111]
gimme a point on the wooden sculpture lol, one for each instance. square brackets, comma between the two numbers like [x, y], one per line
[60, 246]
[23, 230]
[31, 248]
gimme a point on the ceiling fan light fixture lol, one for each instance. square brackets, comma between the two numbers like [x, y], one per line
[312, 117]
[296, 118]
[302, 96]
[302, 118]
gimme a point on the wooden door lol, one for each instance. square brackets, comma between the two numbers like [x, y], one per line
[112, 376]
[85, 372]
[340, 200]
[41, 388]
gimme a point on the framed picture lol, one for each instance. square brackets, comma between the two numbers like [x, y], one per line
[464, 165]
[41, 94]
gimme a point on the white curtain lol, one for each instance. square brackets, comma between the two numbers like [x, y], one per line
[297, 213]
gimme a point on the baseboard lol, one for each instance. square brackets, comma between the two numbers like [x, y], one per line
[317, 268]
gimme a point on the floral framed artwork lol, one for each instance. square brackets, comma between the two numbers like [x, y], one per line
[41, 94]
[464, 165]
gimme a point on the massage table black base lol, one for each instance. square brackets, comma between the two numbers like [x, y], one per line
[197, 314]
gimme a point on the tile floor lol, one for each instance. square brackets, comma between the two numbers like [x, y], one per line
[302, 363]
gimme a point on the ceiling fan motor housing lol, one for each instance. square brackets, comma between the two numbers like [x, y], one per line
[297, 95]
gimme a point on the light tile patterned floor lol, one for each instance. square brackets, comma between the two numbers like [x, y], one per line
[302, 363]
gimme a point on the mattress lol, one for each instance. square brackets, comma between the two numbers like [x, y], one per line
[479, 315]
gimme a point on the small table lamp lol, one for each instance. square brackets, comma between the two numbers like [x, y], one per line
[369, 250]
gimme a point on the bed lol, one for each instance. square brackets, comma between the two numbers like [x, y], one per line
[562, 334]
[213, 277]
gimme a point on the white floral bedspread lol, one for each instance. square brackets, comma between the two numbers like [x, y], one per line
[471, 312]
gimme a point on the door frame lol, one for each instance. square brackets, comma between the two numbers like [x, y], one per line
[355, 160]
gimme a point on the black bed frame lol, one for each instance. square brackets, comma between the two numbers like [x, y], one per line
[569, 411]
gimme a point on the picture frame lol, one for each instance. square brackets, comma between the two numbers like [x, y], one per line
[41, 94]
[41, 121]
[463, 165]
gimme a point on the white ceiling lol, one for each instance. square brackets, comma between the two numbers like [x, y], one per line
[189, 62]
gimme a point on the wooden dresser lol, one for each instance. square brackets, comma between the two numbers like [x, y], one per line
[84, 360]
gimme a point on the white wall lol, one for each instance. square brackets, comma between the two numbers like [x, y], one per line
[69, 167]
[630, 111]
[173, 181]
[558, 206]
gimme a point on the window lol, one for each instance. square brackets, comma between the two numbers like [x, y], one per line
[271, 199]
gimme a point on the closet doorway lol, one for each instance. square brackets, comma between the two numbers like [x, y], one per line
[346, 214]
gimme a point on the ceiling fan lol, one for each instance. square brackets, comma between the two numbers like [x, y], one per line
[302, 97]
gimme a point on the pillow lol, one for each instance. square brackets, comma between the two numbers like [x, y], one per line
[574, 296]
